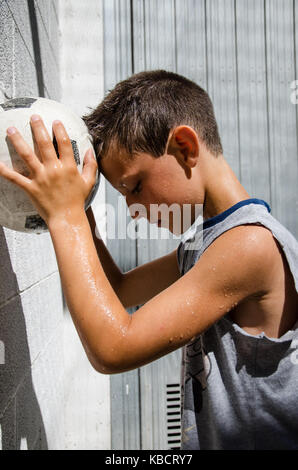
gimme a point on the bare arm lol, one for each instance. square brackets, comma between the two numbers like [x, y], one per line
[140, 284]
[231, 270]
[116, 341]
[146, 281]
[112, 271]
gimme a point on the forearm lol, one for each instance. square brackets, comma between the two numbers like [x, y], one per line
[112, 271]
[99, 316]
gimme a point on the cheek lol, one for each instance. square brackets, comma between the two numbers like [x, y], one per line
[160, 189]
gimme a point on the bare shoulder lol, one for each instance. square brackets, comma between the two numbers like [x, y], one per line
[244, 254]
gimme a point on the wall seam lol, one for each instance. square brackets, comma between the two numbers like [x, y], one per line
[24, 42]
[47, 34]
[206, 46]
[295, 63]
[55, 11]
[17, 26]
[175, 35]
[267, 102]
[20, 292]
[237, 91]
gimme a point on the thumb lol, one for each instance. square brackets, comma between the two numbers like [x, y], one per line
[89, 167]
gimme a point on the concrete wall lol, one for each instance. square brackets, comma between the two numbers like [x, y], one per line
[87, 393]
[50, 397]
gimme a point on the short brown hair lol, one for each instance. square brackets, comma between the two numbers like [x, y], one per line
[139, 113]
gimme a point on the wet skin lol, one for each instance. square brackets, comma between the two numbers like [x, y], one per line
[242, 272]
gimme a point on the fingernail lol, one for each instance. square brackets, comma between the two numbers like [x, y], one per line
[35, 117]
[56, 122]
[11, 130]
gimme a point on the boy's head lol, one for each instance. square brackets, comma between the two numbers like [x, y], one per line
[141, 125]
[139, 113]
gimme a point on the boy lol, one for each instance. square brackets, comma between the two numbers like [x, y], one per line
[232, 301]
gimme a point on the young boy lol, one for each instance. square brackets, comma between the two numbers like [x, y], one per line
[231, 301]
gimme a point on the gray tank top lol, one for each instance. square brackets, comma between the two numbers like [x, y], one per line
[239, 391]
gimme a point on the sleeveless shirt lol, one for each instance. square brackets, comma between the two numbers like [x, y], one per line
[239, 391]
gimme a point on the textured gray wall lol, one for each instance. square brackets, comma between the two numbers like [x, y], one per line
[81, 71]
[50, 397]
[245, 53]
[31, 379]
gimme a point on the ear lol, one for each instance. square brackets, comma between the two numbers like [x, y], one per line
[184, 144]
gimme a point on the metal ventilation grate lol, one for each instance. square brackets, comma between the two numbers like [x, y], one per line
[173, 416]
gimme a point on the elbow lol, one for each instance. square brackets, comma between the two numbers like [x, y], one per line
[108, 369]
[111, 354]
[104, 367]
[108, 365]
[103, 370]
[98, 364]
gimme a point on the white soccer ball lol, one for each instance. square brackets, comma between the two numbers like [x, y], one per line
[16, 209]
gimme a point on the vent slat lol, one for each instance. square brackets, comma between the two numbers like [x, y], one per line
[173, 416]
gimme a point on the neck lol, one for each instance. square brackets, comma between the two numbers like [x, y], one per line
[222, 188]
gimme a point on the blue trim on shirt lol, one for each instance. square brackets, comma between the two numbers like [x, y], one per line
[220, 217]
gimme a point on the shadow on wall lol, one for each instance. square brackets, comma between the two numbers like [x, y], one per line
[36, 47]
[20, 416]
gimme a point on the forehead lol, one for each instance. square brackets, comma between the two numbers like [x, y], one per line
[118, 166]
[114, 164]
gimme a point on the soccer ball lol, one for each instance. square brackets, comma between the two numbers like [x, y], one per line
[16, 209]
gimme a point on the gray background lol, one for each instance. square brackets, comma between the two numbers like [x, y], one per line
[50, 397]
[244, 52]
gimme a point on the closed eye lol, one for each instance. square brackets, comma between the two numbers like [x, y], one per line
[137, 189]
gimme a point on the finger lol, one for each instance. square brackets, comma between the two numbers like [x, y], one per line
[43, 140]
[89, 168]
[14, 177]
[64, 144]
[23, 149]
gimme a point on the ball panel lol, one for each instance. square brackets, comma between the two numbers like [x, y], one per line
[18, 211]
[75, 149]
[18, 103]
[76, 153]
[35, 222]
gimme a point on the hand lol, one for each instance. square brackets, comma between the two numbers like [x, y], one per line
[55, 186]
